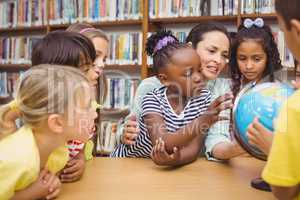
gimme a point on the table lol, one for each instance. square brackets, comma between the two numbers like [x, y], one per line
[141, 179]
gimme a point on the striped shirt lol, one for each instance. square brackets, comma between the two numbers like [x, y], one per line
[157, 102]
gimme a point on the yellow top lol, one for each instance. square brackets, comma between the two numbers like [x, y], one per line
[20, 161]
[283, 164]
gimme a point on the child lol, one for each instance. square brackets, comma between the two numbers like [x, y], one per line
[282, 169]
[55, 106]
[174, 117]
[77, 51]
[72, 49]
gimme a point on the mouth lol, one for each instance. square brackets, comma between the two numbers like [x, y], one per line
[249, 74]
[212, 69]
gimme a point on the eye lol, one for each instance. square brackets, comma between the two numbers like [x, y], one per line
[188, 73]
[242, 58]
[257, 59]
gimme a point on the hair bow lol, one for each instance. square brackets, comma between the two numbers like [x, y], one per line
[258, 22]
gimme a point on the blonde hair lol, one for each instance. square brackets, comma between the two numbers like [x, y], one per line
[91, 32]
[42, 90]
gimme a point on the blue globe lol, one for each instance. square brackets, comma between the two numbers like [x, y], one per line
[262, 101]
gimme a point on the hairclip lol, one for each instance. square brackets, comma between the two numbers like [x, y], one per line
[163, 42]
[258, 22]
[85, 30]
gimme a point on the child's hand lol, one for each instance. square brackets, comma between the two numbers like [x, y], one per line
[211, 116]
[296, 84]
[73, 170]
[130, 131]
[161, 157]
[260, 136]
[46, 186]
[54, 187]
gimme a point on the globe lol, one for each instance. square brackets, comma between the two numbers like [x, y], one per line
[263, 101]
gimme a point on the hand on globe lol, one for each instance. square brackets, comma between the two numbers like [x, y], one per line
[296, 84]
[260, 136]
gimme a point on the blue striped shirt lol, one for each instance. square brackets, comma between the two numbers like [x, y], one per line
[156, 102]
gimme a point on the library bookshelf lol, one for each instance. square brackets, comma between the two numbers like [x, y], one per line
[145, 24]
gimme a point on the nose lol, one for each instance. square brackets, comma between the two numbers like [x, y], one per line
[218, 58]
[248, 65]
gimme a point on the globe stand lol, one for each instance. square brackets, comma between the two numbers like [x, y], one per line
[260, 184]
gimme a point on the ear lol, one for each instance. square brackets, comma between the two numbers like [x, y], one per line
[163, 79]
[295, 27]
[56, 123]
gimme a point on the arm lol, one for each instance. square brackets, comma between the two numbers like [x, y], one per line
[186, 155]
[285, 193]
[157, 129]
[227, 150]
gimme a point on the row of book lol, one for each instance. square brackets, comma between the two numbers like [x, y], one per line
[8, 83]
[17, 13]
[125, 48]
[120, 92]
[71, 11]
[17, 50]
[257, 6]
[185, 8]
[286, 55]
[106, 138]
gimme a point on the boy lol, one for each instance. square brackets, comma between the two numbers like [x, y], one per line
[282, 171]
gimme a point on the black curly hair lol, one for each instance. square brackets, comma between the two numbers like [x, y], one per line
[266, 38]
[162, 56]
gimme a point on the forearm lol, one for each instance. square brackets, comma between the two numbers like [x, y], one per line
[26, 194]
[181, 137]
[286, 193]
[225, 151]
[190, 153]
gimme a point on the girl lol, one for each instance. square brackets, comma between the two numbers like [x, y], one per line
[173, 117]
[211, 42]
[65, 48]
[55, 106]
[255, 58]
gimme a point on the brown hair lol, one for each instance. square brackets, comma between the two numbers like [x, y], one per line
[288, 9]
[91, 32]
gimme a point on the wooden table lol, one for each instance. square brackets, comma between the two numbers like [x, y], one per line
[117, 179]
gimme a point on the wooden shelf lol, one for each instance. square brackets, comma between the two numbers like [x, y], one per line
[114, 112]
[173, 20]
[102, 24]
[21, 30]
[124, 68]
[14, 67]
[271, 16]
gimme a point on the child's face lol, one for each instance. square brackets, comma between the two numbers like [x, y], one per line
[214, 52]
[183, 75]
[93, 73]
[251, 59]
[291, 37]
[81, 116]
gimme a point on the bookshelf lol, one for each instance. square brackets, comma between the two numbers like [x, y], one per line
[145, 24]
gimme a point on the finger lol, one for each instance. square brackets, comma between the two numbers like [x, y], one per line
[71, 162]
[130, 136]
[258, 126]
[252, 139]
[50, 182]
[54, 194]
[67, 178]
[296, 84]
[132, 117]
[72, 169]
[221, 99]
[131, 124]
[175, 154]
[223, 118]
